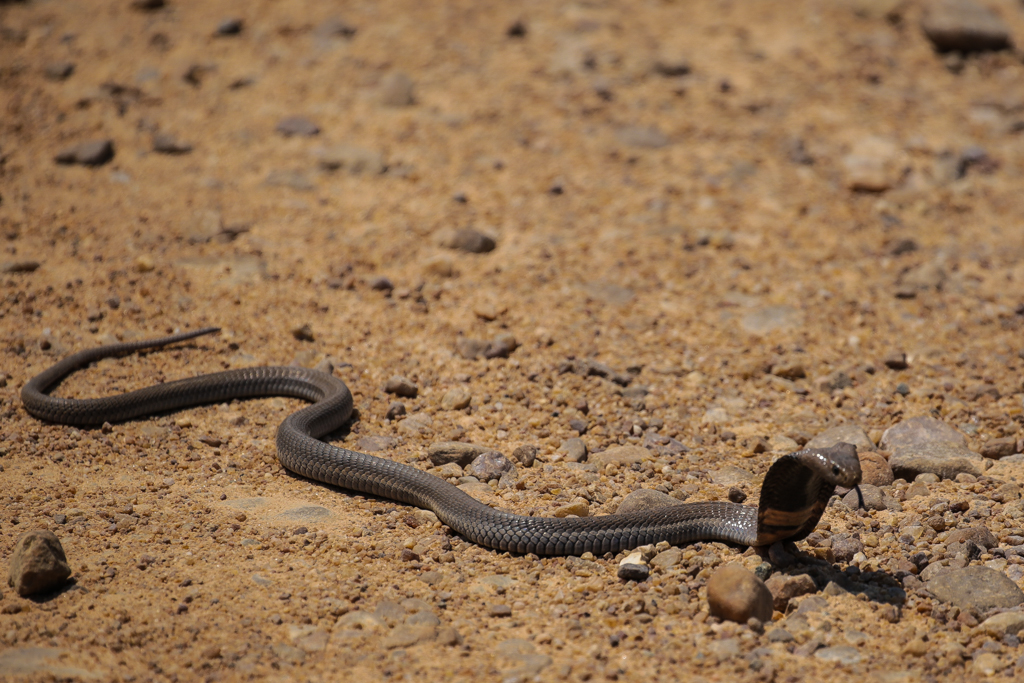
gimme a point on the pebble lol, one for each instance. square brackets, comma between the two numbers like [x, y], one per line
[844, 547]
[735, 594]
[649, 137]
[784, 588]
[355, 160]
[290, 178]
[396, 90]
[964, 26]
[501, 346]
[381, 283]
[633, 567]
[417, 424]
[462, 454]
[395, 410]
[1005, 623]
[780, 635]
[663, 445]
[526, 455]
[645, 499]
[229, 27]
[732, 476]
[976, 588]
[623, 456]
[573, 450]
[766, 319]
[834, 381]
[147, 5]
[591, 367]
[926, 277]
[667, 559]
[19, 266]
[979, 535]
[896, 360]
[91, 153]
[872, 165]
[59, 71]
[988, 664]
[875, 469]
[926, 444]
[470, 241]
[841, 654]
[499, 611]
[303, 333]
[456, 398]
[844, 433]
[870, 498]
[297, 125]
[579, 507]
[165, 143]
[489, 465]
[401, 386]
[38, 563]
[999, 448]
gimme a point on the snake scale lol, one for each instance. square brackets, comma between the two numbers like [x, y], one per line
[794, 494]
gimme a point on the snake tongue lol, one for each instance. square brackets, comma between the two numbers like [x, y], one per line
[860, 498]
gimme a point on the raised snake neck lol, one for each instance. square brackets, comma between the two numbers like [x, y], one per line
[794, 494]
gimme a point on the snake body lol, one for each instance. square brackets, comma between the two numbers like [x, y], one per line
[794, 494]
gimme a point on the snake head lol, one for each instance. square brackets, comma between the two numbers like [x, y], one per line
[838, 464]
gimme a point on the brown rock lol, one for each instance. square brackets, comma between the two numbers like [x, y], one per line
[874, 469]
[645, 499]
[784, 588]
[737, 595]
[457, 452]
[999, 448]
[621, 455]
[38, 563]
[978, 535]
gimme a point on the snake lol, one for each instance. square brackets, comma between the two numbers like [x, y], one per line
[794, 494]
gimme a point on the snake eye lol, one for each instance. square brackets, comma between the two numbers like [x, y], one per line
[835, 470]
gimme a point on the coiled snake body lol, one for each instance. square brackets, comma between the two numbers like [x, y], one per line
[794, 494]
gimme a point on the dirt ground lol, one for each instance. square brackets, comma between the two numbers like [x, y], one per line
[702, 196]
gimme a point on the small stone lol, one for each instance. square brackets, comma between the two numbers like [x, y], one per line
[844, 547]
[976, 588]
[91, 153]
[59, 71]
[835, 381]
[875, 470]
[926, 277]
[767, 319]
[897, 360]
[303, 333]
[736, 495]
[439, 266]
[401, 386]
[526, 455]
[844, 433]
[501, 346]
[671, 64]
[869, 498]
[38, 563]
[19, 267]
[780, 635]
[964, 26]
[489, 465]
[784, 588]
[395, 410]
[752, 445]
[649, 137]
[470, 349]
[979, 535]
[872, 165]
[645, 499]
[471, 241]
[633, 568]
[1005, 623]
[457, 452]
[623, 456]
[667, 559]
[289, 178]
[499, 611]
[987, 664]
[732, 476]
[663, 445]
[396, 90]
[456, 398]
[297, 125]
[573, 450]
[229, 27]
[165, 143]
[147, 5]
[578, 507]
[789, 370]
[841, 654]
[355, 160]
[735, 594]
[999, 448]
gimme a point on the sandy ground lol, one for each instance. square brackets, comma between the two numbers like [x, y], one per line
[691, 193]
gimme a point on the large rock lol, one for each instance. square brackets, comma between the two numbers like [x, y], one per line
[38, 563]
[737, 595]
[490, 465]
[462, 454]
[925, 444]
[844, 433]
[977, 588]
[645, 499]
[964, 25]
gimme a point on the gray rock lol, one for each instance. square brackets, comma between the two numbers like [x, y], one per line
[59, 71]
[462, 454]
[290, 178]
[844, 547]
[917, 431]
[844, 433]
[401, 386]
[633, 572]
[926, 277]
[229, 27]
[642, 136]
[372, 444]
[873, 498]
[977, 588]
[355, 160]
[667, 559]
[471, 241]
[165, 143]
[945, 460]
[574, 449]
[38, 563]
[784, 588]
[737, 595]
[663, 445]
[780, 635]
[622, 456]
[396, 90]
[19, 266]
[526, 455]
[875, 469]
[91, 153]
[297, 125]
[999, 448]
[767, 319]
[305, 513]
[841, 654]
[456, 398]
[645, 499]
[965, 26]
[732, 476]
[395, 409]
[834, 381]
[978, 535]
[489, 465]
[501, 346]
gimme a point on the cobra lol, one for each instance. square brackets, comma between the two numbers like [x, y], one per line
[794, 494]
